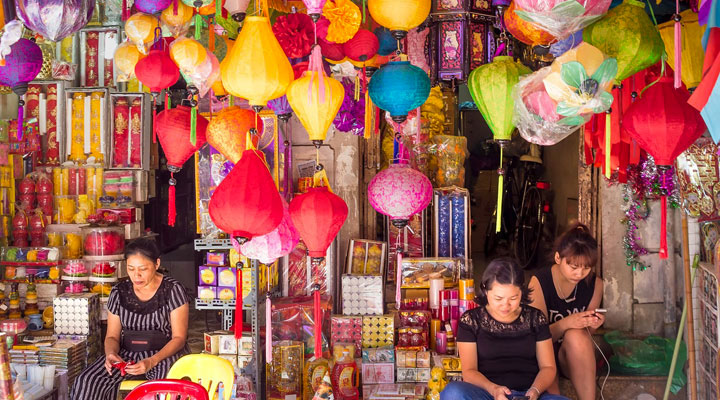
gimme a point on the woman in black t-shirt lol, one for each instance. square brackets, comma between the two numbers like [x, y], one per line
[505, 347]
[568, 293]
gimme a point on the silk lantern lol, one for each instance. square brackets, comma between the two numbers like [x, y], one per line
[692, 51]
[627, 34]
[173, 130]
[55, 19]
[386, 42]
[247, 203]
[227, 130]
[523, 30]
[664, 125]
[197, 3]
[157, 71]
[152, 6]
[256, 68]
[140, 29]
[237, 9]
[177, 19]
[399, 192]
[316, 99]
[399, 87]
[491, 88]
[278, 243]
[561, 18]
[21, 66]
[399, 15]
[362, 47]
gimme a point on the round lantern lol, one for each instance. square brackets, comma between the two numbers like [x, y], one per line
[387, 44]
[278, 243]
[296, 34]
[126, 57]
[157, 71]
[227, 130]
[152, 6]
[247, 204]
[281, 107]
[362, 47]
[197, 3]
[237, 9]
[177, 19]
[314, 8]
[627, 34]
[210, 8]
[188, 54]
[140, 29]
[331, 51]
[173, 130]
[55, 19]
[399, 192]
[318, 215]
[664, 124]
[399, 15]
[256, 68]
[22, 65]
[399, 87]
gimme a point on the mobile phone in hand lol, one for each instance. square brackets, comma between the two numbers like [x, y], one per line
[600, 310]
[520, 398]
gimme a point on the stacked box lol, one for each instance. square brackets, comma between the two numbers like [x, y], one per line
[362, 295]
[346, 329]
[378, 331]
[77, 317]
[65, 354]
[374, 373]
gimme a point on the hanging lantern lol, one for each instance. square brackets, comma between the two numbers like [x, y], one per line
[314, 8]
[152, 6]
[399, 15]
[664, 125]
[177, 19]
[247, 204]
[157, 71]
[210, 8]
[56, 19]
[561, 18]
[227, 130]
[281, 107]
[362, 47]
[173, 129]
[627, 34]
[387, 44]
[188, 54]
[278, 243]
[523, 30]
[140, 29]
[692, 50]
[399, 87]
[197, 3]
[237, 9]
[318, 215]
[21, 66]
[126, 57]
[256, 68]
[491, 88]
[462, 37]
[399, 192]
[295, 33]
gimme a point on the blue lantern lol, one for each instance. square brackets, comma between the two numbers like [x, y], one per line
[388, 43]
[399, 87]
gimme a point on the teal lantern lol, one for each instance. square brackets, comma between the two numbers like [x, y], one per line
[399, 87]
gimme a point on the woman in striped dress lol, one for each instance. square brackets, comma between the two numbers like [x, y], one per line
[147, 325]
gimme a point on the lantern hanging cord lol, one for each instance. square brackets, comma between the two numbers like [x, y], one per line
[652, 12]
[662, 73]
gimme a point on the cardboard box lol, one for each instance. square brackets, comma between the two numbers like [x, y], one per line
[226, 293]
[207, 292]
[207, 275]
[378, 373]
[407, 374]
[245, 346]
[126, 215]
[227, 277]
[379, 355]
[212, 341]
[133, 231]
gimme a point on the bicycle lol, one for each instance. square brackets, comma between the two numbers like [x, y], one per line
[524, 213]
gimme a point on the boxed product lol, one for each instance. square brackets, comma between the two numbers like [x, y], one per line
[130, 128]
[216, 258]
[346, 329]
[417, 272]
[293, 319]
[86, 124]
[412, 241]
[245, 346]
[207, 292]
[378, 331]
[243, 361]
[284, 376]
[76, 314]
[394, 391]
[125, 215]
[226, 293]
[97, 47]
[207, 275]
[212, 341]
[226, 277]
[378, 373]
[413, 374]
[451, 221]
[42, 102]
[366, 257]
[384, 354]
[362, 295]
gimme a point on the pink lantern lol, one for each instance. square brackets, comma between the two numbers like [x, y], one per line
[269, 247]
[399, 192]
[314, 8]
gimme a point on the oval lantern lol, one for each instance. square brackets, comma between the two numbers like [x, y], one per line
[22, 65]
[318, 215]
[152, 6]
[316, 99]
[227, 130]
[140, 29]
[55, 20]
[278, 243]
[210, 8]
[627, 34]
[398, 87]
[157, 71]
[362, 47]
[172, 128]
[664, 124]
[126, 58]
[175, 20]
[256, 68]
[387, 43]
[281, 107]
[247, 204]
[399, 192]
[188, 54]
[525, 31]
[399, 15]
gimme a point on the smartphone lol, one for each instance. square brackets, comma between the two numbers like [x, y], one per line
[520, 398]
[600, 310]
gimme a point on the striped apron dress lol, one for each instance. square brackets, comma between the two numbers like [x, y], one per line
[94, 383]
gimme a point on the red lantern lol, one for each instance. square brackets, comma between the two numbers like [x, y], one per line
[362, 47]
[157, 71]
[173, 128]
[247, 203]
[664, 125]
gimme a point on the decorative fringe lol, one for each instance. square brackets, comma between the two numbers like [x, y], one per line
[20, 115]
[367, 133]
[172, 213]
[678, 47]
[268, 330]
[663, 228]
[608, 143]
[317, 314]
[239, 305]
[356, 97]
[211, 39]
[193, 125]
[501, 181]
[198, 24]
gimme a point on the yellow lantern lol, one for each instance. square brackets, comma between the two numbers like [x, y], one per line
[188, 54]
[126, 56]
[256, 68]
[218, 88]
[692, 50]
[316, 99]
[175, 22]
[399, 15]
[140, 29]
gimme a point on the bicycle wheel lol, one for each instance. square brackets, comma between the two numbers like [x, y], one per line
[491, 238]
[529, 231]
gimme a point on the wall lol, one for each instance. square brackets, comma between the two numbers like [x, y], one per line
[560, 163]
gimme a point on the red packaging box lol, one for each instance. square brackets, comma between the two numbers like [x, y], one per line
[347, 329]
[127, 215]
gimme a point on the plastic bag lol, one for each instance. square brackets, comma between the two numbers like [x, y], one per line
[451, 152]
[561, 18]
[651, 356]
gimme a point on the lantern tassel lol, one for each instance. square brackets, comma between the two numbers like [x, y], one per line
[211, 39]
[398, 277]
[268, 330]
[501, 181]
[218, 12]
[239, 305]
[20, 115]
[608, 143]
[172, 213]
[198, 24]
[678, 47]
[193, 125]
[154, 115]
[175, 7]
[663, 228]
[368, 116]
[124, 13]
[317, 66]
[318, 322]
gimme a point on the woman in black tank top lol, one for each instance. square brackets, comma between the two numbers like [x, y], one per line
[568, 293]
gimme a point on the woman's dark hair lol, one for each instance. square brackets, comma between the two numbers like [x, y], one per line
[578, 246]
[144, 247]
[505, 271]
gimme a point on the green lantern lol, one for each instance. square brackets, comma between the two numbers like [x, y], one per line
[491, 88]
[627, 34]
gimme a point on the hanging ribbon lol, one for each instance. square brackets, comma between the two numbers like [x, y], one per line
[664, 172]
[172, 213]
[239, 304]
[154, 108]
[193, 123]
[678, 46]
[398, 277]
[167, 99]
[124, 12]
[268, 330]
[608, 143]
[501, 181]
[317, 315]
[175, 7]
[316, 66]
[367, 133]
[20, 116]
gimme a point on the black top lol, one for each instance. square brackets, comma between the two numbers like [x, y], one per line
[505, 352]
[559, 308]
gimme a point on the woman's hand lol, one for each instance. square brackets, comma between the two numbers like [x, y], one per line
[533, 393]
[500, 392]
[111, 359]
[597, 320]
[580, 320]
[140, 367]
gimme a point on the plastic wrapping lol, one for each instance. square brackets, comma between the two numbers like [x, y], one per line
[452, 216]
[417, 272]
[346, 329]
[366, 257]
[302, 274]
[378, 331]
[411, 242]
[561, 18]
[103, 241]
[212, 167]
[451, 152]
[292, 319]
[362, 295]
[284, 375]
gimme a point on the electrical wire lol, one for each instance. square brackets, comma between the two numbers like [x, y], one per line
[602, 387]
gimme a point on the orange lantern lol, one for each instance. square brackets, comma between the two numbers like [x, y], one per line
[226, 131]
[188, 54]
[525, 31]
[140, 29]
[126, 57]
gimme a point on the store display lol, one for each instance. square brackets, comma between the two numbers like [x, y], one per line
[366, 257]
[417, 272]
[346, 329]
[362, 295]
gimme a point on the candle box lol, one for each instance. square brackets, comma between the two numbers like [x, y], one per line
[130, 131]
[92, 128]
[362, 295]
[44, 102]
[366, 257]
[451, 223]
[378, 331]
[346, 329]
[97, 48]
[207, 275]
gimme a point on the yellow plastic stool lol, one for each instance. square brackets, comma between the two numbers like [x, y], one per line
[207, 370]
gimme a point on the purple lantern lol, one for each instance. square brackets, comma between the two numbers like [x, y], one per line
[152, 6]
[21, 66]
[55, 19]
